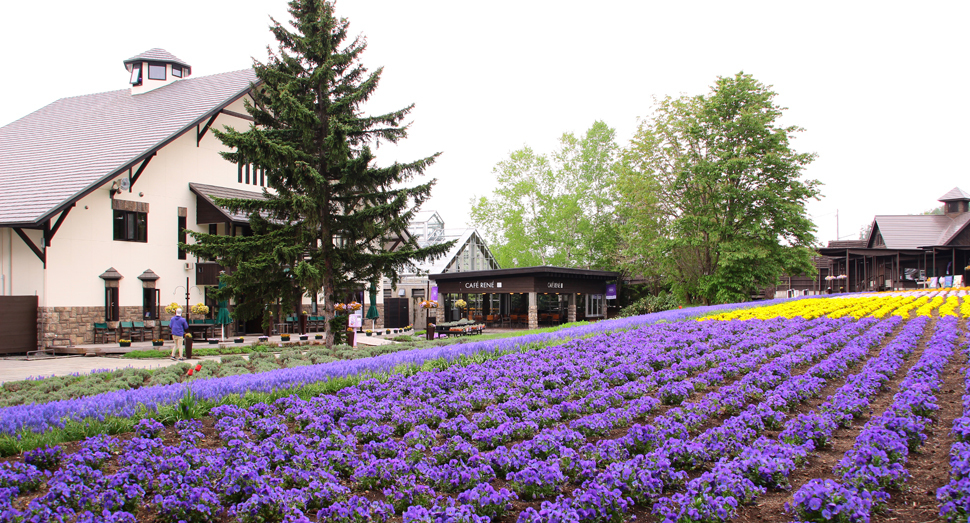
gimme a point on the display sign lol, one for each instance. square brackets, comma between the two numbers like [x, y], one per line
[355, 320]
[434, 293]
[610, 291]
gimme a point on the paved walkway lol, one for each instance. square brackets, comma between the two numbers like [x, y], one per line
[18, 368]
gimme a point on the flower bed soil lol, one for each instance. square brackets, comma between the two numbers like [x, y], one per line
[929, 467]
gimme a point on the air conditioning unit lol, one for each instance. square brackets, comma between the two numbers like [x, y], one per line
[188, 266]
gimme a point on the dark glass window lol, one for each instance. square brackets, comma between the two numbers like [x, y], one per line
[182, 236]
[112, 311]
[156, 71]
[177, 71]
[130, 226]
[136, 74]
[239, 167]
[417, 293]
[213, 228]
[150, 304]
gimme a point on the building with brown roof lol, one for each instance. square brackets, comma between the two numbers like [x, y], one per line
[906, 251]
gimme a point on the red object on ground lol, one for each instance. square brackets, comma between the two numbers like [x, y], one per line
[198, 367]
[190, 372]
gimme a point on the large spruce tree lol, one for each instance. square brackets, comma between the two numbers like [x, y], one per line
[324, 224]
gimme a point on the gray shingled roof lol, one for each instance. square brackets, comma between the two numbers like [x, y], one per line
[914, 231]
[61, 152]
[955, 193]
[156, 55]
[209, 191]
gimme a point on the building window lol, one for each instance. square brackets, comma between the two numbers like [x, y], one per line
[136, 74]
[150, 304]
[417, 293]
[156, 71]
[177, 71]
[594, 305]
[130, 226]
[112, 311]
[182, 236]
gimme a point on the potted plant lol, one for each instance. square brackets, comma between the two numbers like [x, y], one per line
[369, 332]
[213, 341]
[387, 331]
[304, 337]
[318, 337]
[284, 337]
[158, 343]
[124, 343]
[239, 339]
[263, 339]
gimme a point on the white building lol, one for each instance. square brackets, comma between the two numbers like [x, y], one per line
[469, 253]
[110, 181]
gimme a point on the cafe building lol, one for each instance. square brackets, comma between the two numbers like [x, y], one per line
[527, 297]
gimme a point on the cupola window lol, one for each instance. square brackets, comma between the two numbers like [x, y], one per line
[136, 74]
[177, 71]
[156, 71]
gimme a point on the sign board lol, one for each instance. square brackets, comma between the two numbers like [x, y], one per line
[434, 293]
[948, 281]
[610, 291]
[355, 320]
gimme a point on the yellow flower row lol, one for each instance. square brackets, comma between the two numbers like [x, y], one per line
[924, 303]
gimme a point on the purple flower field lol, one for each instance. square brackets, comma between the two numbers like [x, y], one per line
[677, 422]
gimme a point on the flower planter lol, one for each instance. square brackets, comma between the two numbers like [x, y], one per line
[124, 343]
[304, 337]
[284, 338]
[213, 342]
[318, 337]
[158, 343]
[239, 340]
[263, 339]
[370, 333]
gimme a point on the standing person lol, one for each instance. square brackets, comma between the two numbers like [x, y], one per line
[178, 326]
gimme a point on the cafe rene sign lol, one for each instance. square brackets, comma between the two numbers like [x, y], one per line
[482, 285]
[492, 285]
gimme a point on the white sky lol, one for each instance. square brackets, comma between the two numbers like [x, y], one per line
[880, 87]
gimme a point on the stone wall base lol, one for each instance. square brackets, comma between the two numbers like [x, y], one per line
[67, 326]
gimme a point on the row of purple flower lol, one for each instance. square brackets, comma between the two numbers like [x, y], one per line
[297, 459]
[127, 403]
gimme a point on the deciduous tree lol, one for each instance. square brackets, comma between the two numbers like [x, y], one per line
[557, 210]
[725, 189]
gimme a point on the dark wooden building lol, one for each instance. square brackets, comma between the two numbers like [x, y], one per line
[905, 252]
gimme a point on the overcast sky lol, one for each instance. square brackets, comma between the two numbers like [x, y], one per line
[880, 87]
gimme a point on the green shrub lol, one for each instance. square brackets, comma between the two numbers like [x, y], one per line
[232, 370]
[226, 360]
[265, 365]
[650, 304]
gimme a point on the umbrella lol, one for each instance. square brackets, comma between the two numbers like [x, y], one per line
[223, 318]
[372, 313]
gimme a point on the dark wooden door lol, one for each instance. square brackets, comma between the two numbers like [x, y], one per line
[396, 313]
[18, 324]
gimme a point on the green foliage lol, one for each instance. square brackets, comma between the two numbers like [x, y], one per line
[717, 180]
[324, 225]
[650, 304]
[555, 211]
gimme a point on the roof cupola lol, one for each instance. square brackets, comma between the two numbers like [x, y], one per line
[153, 69]
[955, 202]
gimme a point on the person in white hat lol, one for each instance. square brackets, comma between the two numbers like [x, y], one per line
[178, 326]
